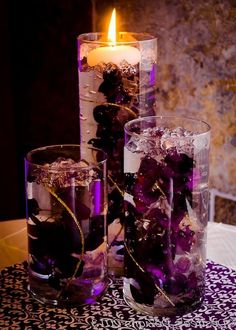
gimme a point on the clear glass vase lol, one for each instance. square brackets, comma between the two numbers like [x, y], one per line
[66, 202]
[117, 83]
[166, 165]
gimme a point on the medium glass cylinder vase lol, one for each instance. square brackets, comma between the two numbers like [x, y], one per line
[117, 83]
[66, 221]
[166, 169]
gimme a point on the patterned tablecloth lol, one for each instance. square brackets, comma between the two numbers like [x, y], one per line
[18, 310]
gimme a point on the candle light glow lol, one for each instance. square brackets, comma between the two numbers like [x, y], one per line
[113, 53]
[112, 29]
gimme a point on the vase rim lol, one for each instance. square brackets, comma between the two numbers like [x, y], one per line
[166, 120]
[29, 158]
[100, 38]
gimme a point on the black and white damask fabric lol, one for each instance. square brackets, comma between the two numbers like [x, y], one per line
[18, 310]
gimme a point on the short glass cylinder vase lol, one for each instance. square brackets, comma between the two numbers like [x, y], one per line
[66, 202]
[166, 165]
[117, 83]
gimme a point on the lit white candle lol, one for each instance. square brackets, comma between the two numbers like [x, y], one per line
[114, 53]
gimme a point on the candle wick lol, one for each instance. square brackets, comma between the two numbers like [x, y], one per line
[111, 43]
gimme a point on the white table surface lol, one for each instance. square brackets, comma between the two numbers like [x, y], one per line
[221, 243]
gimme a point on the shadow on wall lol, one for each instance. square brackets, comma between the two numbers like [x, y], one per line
[40, 85]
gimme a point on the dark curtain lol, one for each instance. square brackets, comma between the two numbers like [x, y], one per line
[39, 85]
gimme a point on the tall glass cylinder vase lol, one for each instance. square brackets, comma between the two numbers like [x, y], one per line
[117, 83]
[66, 220]
[166, 212]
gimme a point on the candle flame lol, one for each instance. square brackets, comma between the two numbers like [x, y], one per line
[112, 29]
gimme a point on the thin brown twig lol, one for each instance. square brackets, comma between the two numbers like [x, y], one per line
[81, 237]
[116, 186]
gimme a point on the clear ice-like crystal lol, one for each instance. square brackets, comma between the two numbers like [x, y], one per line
[65, 172]
[157, 140]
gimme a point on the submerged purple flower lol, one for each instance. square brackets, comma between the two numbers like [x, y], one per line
[183, 264]
[180, 163]
[176, 284]
[185, 239]
[157, 274]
